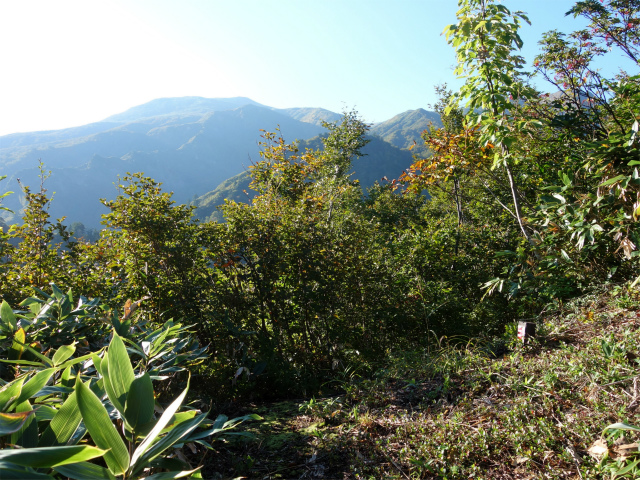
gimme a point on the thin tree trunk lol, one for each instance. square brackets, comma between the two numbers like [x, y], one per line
[516, 201]
[456, 189]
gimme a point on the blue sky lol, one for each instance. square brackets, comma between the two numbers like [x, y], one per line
[71, 62]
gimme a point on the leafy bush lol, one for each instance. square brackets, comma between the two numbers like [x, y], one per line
[66, 412]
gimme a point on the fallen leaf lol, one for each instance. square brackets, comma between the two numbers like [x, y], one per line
[598, 449]
[623, 451]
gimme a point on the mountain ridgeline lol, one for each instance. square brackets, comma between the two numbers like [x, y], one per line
[193, 145]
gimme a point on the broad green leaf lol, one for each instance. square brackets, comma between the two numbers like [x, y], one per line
[121, 374]
[75, 361]
[221, 424]
[10, 393]
[138, 408]
[12, 422]
[7, 316]
[53, 390]
[171, 475]
[162, 422]
[175, 435]
[47, 457]
[45, 413]
[57, 293]
[12, 471]
[35, 384]
[63, 353]
[102, 431]
[63, 425]
[179, 418]
[84, 471]
[97, 361]
[613, 180]
[27, 436]
[622, 426]
[45, 360]
[17, 348]
[65, 379]
[172, 464]
[108, 387]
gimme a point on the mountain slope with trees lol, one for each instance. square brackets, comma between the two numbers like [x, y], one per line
[405, 129]
[381, 162]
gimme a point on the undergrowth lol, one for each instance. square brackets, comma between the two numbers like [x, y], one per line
[462, 411]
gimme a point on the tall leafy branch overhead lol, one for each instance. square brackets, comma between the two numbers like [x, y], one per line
[486, 39]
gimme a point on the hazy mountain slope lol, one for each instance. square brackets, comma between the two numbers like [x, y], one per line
[311, 115]
[381, 159]
[190, 144]
[233, 188]
[18, 140]
[405, 128]
[190, 153]
[180, 106]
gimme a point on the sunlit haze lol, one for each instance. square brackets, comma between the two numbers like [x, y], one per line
[69, 63]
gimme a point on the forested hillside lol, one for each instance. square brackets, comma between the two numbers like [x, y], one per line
[387, 317]
[380, 160]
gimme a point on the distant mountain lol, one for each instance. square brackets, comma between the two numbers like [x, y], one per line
[235, 188]
[191, 144]
[380, 159]
[311, 115]
[180, 106]
[405, 128]
[176, 141]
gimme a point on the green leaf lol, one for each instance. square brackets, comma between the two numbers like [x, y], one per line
[175, 435]
[63, 353]
[102, 431]
[566, 257]
[47, 457]
[162, 422]
[630, 466]
[10, 393]
[12, 471]
[179, 418]
[75, 361]
[27, 436]
[63, 425]
[57, 293]
[138, 408]
[66, 380]
[12, 422]
[622, 426]
[17, 347]
[35, 384]
[613, 180]
[120, 373]
[7, 316]
[84, 471]
[44, 360]
[45, 413]
[97, 362]
[171, 475]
